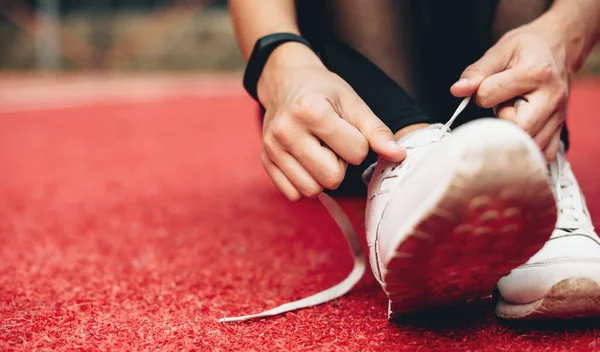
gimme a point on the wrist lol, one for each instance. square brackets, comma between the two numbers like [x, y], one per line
[568, 32]
[284, 61]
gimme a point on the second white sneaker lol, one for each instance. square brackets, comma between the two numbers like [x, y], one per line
[563, 279]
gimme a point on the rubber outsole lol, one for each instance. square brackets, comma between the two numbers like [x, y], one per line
[490, 219]
[568, 299]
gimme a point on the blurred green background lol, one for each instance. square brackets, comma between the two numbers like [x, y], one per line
[125, 35]
[117, 35]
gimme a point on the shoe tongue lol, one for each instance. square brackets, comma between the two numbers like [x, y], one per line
[421, 137]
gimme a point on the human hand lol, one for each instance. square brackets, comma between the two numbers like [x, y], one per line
[314, 124]
[530, 62]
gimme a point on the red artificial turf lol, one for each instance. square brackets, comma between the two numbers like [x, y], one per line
[134, 226]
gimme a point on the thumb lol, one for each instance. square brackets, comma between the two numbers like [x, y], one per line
[492, 62]
[380, 137]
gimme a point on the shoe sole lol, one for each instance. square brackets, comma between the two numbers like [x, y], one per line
[487, 220]
[568, 299]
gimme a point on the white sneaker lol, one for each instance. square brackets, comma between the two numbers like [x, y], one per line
[563, 279]
[457, 215]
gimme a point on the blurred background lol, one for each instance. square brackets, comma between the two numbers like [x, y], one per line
[117, 35]
[126, 35]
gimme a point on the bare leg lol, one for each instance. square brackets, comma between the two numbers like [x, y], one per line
[383, 31]
[514, 13]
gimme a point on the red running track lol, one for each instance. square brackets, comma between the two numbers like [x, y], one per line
[135, 225]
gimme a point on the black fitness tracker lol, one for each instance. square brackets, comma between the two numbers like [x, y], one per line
[260, 54]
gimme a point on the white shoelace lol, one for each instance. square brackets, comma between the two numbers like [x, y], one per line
[354, 244]
[336, 291]
[571, 212]
[463, 104]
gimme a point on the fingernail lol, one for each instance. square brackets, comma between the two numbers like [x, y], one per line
[461, 82]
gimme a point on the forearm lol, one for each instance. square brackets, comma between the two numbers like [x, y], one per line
[254, 19]
[577, 24]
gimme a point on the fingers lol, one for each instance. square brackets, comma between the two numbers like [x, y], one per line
[378, 135]
[293, 153]
[293, 171]
[343, 138]
[321, 163]
[552, 148]
[507, 110]
[548, 137]
[547, 132]
[493, 61]
[281, 182]
[533, 115]
[316, 115]
[290, 145]
[466, 87]
[511, 83]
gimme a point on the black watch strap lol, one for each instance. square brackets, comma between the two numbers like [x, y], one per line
[260, 54]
